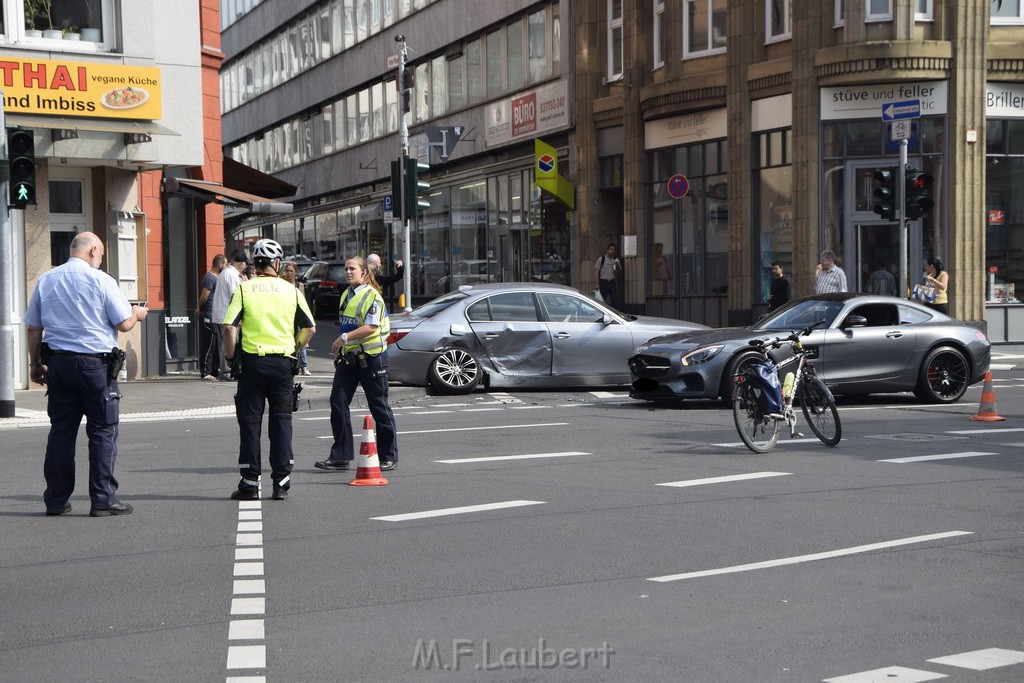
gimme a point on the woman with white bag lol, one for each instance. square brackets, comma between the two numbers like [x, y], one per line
[937, 281]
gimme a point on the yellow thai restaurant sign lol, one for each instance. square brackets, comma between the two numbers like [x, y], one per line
[106, 91]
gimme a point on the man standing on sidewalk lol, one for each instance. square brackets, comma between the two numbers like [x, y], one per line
[73, 319]
[228, 280]
[209, 344]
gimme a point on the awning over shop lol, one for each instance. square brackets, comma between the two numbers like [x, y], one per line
[96, 125]
[215, 192]
[238, 176]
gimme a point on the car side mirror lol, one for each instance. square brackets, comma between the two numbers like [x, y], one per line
[607, 319]
[855, 321]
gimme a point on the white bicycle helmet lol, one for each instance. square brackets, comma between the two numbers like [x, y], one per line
[268, 249]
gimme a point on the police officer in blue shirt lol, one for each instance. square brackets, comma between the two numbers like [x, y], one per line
[73, 319]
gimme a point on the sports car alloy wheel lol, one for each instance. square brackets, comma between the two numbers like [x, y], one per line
[455, 371]
[944, 376]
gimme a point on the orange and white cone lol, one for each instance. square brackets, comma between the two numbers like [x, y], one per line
[987, 409]
[368, 469]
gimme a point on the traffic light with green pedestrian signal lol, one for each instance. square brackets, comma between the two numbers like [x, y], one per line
[885, 193]
[21, 155]
[918, 193]
[415, 187]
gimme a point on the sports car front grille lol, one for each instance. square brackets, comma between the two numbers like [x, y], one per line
[645, 365]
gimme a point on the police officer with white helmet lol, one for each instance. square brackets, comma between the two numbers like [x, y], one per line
[275, 322]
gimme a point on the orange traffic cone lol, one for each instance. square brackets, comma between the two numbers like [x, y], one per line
[987, 409]
[368, 470]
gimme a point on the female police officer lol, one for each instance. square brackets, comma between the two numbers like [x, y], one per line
[361, 353]
[270, 311]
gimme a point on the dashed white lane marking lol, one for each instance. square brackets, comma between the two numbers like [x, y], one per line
[247, 657]
[810, 558]
[505, 397]
[246, 647]
[481, 410]
[980, 660]
[893, 674]
[433, 412]
[939, 456]
[607, 394]
[492, 458]
[475, 429]
[249, 587]
[722, 480]
[997, 430]
[459, 510]
[246, 629]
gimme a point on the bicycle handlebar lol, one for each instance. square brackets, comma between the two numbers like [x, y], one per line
[793, 338]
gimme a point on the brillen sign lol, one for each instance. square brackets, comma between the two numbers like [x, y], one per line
[37, 86]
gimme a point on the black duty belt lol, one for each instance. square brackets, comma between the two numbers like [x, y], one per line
[101, 356]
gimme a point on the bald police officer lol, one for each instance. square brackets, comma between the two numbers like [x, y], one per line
[275, 322]
[73, 319]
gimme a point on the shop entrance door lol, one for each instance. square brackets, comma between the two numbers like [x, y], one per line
[513, 253]
[869, 242]
[878, 247]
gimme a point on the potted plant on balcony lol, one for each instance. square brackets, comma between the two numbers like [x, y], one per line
[69, 32]
[91, 32]
[35, 10]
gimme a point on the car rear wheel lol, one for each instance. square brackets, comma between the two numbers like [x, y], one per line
[455, 371]
[738, 364]
[944, 376]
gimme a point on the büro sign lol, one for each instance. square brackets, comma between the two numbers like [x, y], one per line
[524, 114]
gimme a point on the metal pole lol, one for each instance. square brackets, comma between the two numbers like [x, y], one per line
[904, 224]
[6, 283]
[403, 132]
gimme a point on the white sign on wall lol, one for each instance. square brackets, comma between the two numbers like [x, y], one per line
[526, 115]
[1004, 100]
[685, 130]
[865, 101]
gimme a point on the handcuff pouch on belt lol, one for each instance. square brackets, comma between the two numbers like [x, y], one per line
[354, 360]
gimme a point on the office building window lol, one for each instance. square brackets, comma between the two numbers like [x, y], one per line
[659, 33]
[1007, 11]
[777, 14]
[878, 10]
[614, 39]
[704, 29]
[923, 10]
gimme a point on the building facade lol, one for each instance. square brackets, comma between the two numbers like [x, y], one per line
[706, 138]
[112, 99]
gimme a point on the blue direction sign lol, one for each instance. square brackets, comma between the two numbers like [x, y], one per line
[907, 109]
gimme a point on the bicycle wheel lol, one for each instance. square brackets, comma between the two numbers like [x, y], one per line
[820, 411]
[758, 431]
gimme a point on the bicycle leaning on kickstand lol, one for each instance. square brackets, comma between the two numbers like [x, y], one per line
[758, 416]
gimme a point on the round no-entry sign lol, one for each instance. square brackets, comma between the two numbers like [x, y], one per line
[678, 186]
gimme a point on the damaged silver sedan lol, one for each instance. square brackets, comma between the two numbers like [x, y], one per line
[518, 335]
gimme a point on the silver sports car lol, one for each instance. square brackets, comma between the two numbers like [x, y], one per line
[867, 344]
[517, 334]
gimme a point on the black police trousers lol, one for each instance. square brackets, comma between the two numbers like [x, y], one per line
[78, 385]
[374, 380]
[264, 380]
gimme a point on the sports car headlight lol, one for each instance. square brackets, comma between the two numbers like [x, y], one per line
[701, 355]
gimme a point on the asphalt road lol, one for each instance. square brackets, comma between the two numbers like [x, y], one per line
[535, 536]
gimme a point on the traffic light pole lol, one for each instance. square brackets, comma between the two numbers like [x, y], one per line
[901, 215]
[6, 285]
[403, 130]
